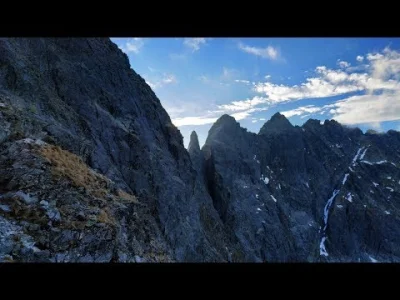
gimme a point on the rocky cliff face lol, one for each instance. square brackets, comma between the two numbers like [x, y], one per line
[311, 193]
[93, 170]
[81, 94]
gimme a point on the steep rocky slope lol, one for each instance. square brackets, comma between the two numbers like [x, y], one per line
[311, 193]
[81, 94]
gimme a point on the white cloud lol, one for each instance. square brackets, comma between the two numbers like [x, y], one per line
[133, 45]
[267, 76]
[376, 125]
[254, 121]
[360, 58]
[169, 78]
[368, 109]
[160, 82]
[379, 82]
[329, 82]
[343, 64]
[194, 43]
[267, 52]
[262, 119]
[301, 110]
[193, 121]
[247, 113]
[244, 104]
[152, 85]
[242, 81]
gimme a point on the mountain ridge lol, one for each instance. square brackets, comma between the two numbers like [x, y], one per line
[286, 194]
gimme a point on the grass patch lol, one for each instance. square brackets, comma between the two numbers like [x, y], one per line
[124, 196]
[67, 164]
[71, 166]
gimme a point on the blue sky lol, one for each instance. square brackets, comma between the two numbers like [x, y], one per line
[355, 81]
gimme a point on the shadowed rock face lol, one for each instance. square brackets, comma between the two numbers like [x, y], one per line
[118, 185]
[272, 190]
[82, 95]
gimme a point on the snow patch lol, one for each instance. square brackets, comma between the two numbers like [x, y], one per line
[339, 206]
[356, 156]
[367, 162]
[259, 209]
[375, 184]
[255, 157]
[328, 205]
[257, 196]
[386, 212]
[393, 164]
[258, 161]
[351, 169]
[389, 177]
[371, 191]
[309, 186]
[381, 162]
[373, 259]
[322, 249]
[363, 154]
[279, 186]
[265, 179]
[273, 198]
[349, 197]
[345, 178]
[390, 189]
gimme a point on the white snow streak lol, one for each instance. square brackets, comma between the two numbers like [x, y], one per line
[322, 249]
[356, 156]
[327, 206]
[345, 178]
[375, 184]
[390, 189]
[363, 154]
[273, 198]
[373, 259]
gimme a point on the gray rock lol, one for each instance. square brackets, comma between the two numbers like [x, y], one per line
[5, 208]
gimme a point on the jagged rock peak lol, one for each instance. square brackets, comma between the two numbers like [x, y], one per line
[194, 142]
[312, 123]
[226, 120]
[277, 123]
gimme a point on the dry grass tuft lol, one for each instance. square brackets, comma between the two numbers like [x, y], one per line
[67, 164]
[105, 217]
[127, 197]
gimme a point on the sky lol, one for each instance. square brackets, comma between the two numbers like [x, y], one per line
[355, 81]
